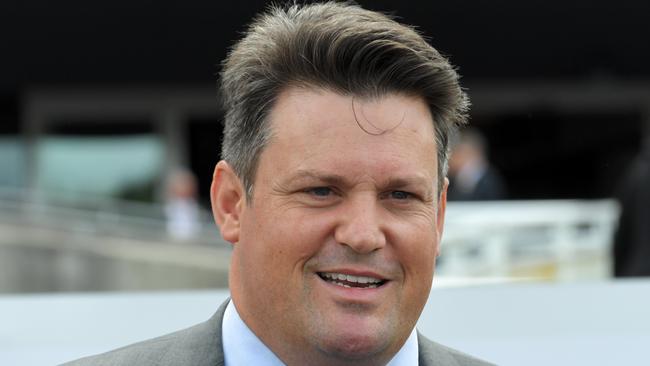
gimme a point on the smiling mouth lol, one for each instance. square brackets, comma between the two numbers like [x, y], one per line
[350, 281]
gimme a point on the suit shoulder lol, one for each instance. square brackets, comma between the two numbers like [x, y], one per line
[432, 353]
[149, 352]
[197, 345]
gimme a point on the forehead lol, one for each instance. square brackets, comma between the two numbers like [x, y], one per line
[315, 110]
[316, 126]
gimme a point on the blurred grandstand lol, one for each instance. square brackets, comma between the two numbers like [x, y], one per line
[93, 122]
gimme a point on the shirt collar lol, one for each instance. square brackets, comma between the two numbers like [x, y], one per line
[242, 347]
[408, 355]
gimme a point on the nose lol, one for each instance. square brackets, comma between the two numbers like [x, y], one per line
[360, 226]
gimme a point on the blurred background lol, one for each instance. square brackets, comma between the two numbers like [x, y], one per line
[110, 130]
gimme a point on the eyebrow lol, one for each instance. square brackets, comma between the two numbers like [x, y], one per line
[339, 180]
[328, 178]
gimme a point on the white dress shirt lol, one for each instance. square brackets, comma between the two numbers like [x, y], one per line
[242, 347]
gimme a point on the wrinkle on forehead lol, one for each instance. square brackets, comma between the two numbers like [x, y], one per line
[318, 127]
[374, 115]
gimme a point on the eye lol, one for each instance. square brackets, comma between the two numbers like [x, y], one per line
[400, 195]
[319, 191]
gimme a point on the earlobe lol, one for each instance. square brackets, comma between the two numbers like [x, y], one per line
[227, 198]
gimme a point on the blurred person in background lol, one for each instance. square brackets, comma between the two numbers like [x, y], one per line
[632, 238]
[471, 176]
[182, 209]
[332, 191]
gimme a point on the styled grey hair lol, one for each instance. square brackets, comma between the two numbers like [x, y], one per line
[335, 46]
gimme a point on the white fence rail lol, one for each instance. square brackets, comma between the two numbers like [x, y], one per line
[86, 215]
[554, 239]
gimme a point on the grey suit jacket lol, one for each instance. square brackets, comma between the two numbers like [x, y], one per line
[201, 345]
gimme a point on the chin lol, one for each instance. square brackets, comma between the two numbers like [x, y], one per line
[355, 346]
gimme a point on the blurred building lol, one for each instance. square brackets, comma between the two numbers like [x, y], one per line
[550, 87]
[100, 101]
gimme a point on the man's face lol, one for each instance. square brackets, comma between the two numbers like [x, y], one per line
[335, 254]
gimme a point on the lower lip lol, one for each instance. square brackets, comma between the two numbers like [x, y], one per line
[355, 294]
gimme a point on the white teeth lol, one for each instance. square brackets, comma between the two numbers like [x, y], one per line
[350, 278]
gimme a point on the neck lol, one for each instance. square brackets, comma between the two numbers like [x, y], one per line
[317, 357]
[299, 351]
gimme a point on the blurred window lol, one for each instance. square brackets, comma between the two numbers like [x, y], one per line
[98, 165]
[12, 162]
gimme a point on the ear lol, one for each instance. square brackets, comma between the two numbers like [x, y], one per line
[227, 198]
[440, 215]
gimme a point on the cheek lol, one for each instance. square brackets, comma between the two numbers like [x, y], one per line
[416, 254]
[418, 258]
[416, 247]
[288, 239]
[421, 263]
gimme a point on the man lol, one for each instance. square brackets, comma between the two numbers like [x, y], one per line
[631, 249]
[472, 177]
[332, 191]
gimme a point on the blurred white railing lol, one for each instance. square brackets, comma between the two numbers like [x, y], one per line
[551, 239]
[554, 239]
[52, 243]
[90, 215]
